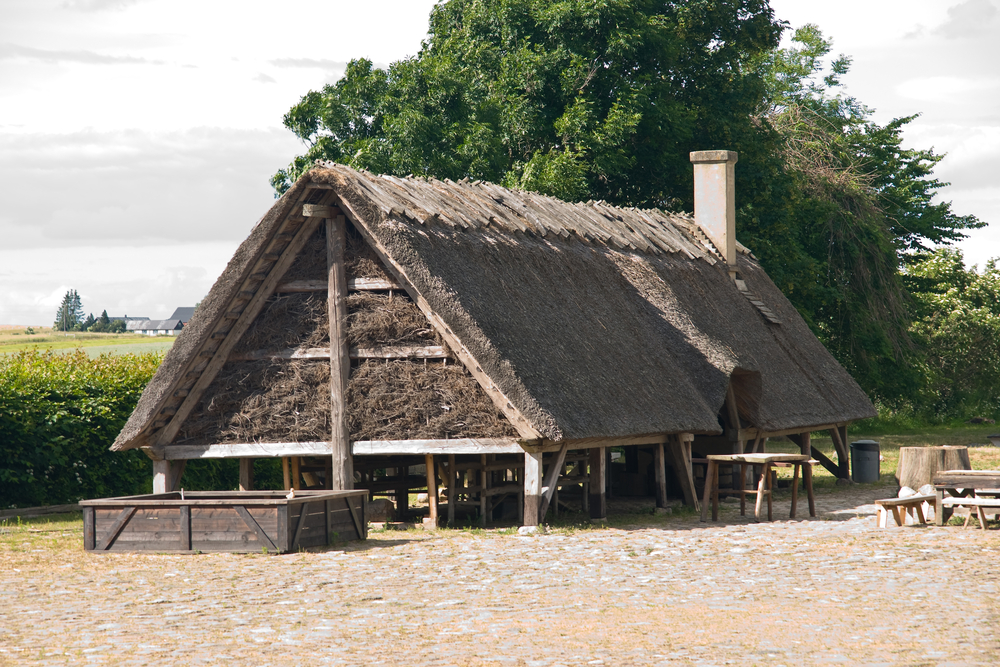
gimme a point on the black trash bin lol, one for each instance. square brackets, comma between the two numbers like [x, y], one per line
[864, 461]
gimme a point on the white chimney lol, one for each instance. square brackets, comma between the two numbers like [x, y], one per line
[715, 200]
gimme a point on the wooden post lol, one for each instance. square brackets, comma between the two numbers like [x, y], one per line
[660, 464]
[532, 487]
[598, 502]
[161, 476]
[432, 491]
[484, 501]
[340, 361]
[552, 480]
[845, 462]
[738, 445]
[402, 493]
[296, 474]
[246, 474]
[681, 452]
[452, 482]
[286, 473]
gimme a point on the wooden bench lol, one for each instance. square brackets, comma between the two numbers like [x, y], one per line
[900, 508]
[977, 504]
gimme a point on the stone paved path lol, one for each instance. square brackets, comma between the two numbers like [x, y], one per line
[663, 591]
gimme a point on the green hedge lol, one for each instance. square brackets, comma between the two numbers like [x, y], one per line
[59, 414]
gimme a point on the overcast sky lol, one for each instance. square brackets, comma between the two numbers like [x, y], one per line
[137, 136]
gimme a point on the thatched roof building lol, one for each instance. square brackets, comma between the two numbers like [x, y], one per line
[470, 313]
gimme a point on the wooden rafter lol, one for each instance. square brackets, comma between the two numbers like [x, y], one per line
[503, 403]
[254, 293]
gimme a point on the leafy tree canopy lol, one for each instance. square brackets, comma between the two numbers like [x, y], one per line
[604, 99]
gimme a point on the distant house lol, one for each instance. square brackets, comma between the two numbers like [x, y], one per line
[183, 314]
[170, 327]
[126, 318]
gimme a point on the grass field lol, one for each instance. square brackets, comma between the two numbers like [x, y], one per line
[44, 338]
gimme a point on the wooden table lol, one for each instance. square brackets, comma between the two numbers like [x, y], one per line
[764, 462]
[962, 484]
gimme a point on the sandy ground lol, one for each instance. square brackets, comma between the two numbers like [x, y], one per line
[651, 590]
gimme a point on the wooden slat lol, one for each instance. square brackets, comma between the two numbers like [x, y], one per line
[299, 525]
[319, 211]
[353, 284]
[246, 450]
[236, 331]
[456, 446]
[255, 527]
[185, 527]
[115, 529]
[320, 353]
[357, 520]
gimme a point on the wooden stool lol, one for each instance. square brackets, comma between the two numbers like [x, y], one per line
[765, 462]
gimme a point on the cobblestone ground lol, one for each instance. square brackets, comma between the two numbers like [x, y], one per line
[649, 590]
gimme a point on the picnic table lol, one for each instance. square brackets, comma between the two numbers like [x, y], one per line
[974, 489]
[763, 462]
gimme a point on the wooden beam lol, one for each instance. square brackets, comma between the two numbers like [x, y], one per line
[825, 462]
[532, 488]
[590, 443]
[340, 362]
[176, 473]
[321, 353]
[552, 481]
[239, 327]
[115, 529]
[456, 446]
[353, 284]
[598, 500]
[680, 452]
[320, 211]
[843, 454]
[503, 403]
[244, 450]
[432, 491]
[246, 474]
[252, 524]
[452, 481]
[750, 433]
[660, 466]
[161, 476]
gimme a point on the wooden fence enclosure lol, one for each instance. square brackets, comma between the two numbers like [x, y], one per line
[253, 521]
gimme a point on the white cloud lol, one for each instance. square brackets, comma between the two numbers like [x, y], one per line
[972, 18]
[121, 188]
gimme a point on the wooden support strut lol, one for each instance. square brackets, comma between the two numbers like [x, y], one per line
[680, 451]
[432, 492]
[340, 362]
[552, 481]
[242, 322]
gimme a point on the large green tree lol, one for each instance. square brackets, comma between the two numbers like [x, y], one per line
[860, 209]
[604, 99]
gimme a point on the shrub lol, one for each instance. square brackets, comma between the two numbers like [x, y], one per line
[59, 414]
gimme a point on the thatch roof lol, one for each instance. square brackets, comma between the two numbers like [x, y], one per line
[591, 321]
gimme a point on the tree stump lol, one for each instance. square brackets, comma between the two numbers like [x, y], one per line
[917, 465]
